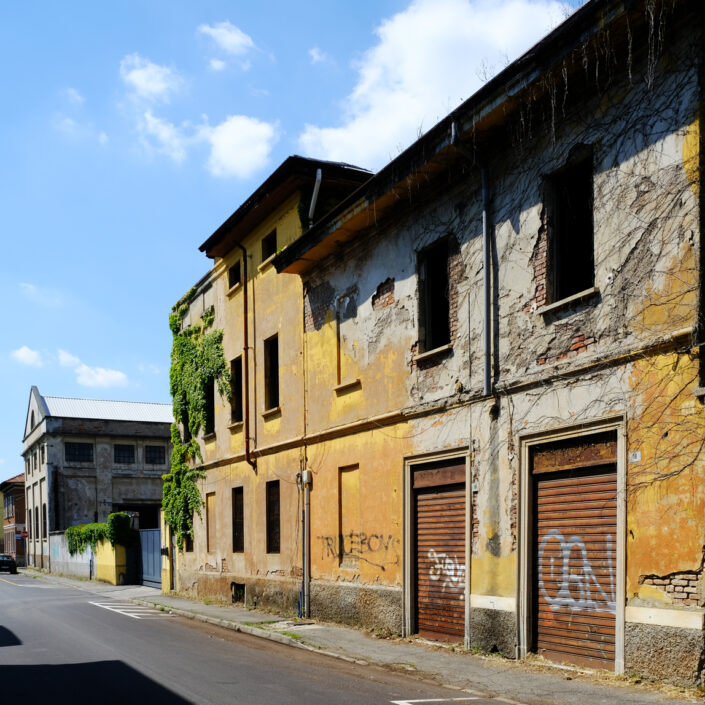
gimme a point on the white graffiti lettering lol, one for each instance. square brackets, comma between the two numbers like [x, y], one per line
[577, 589]
[448, 569]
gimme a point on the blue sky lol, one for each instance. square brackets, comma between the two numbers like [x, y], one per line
[131, 130]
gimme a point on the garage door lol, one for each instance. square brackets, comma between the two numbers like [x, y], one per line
[576, 529]
[439, 504]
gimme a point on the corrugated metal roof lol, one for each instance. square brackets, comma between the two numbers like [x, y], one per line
[108, 410]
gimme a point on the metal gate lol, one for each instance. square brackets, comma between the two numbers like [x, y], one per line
[150, 557]
[439, 517]
[575, 547]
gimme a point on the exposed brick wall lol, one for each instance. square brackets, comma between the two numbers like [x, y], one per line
[580, 343]
[384, 296]
[539, 263]
[682, 587]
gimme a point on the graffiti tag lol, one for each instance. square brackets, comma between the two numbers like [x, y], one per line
[360, 545]
[578, 587]
[448, 569]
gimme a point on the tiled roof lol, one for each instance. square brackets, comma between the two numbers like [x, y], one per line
[108, 410]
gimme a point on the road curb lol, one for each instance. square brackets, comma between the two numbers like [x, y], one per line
[247, 629]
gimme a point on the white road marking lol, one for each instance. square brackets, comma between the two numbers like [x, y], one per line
[130, 609]
[434, 700]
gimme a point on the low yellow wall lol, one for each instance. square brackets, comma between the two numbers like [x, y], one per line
[110, 563]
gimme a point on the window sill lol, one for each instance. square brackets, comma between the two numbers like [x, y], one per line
[569, 300]
[421, 357]
[233, 290]
[272, 413]
[267, 263]
[235, 426]
[209, 436]
[352, 386]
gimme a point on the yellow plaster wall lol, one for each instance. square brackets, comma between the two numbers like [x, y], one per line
[666, 486]
[110, 563]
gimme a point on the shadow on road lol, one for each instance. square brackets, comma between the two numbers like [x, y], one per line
[8, 638]
[104, 682]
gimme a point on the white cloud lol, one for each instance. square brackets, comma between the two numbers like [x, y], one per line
[148, 80]
[317, 56]
[217, 64]
[66, 359]
[229, 38]
[163, 136]
[103, 138]
[64, 123]
[424, 64]
[239, 146]
[27, 356]
[92, 376]
[99, 377]
[74, 96]
[43, 297]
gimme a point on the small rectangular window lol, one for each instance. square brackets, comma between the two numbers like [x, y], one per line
[123, 453]
[272, 509]
[210, 522]
[234, 275]
[44, 520]
[238, 520]
[271, 373]
[434, 299]
[236, 411]
[210, 406]
[569, 206]
[29, 524]
[269, 245]
[154, 455]
[78, 452]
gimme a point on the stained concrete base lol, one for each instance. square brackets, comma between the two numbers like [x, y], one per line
[493, 630]
[667, 654]
[358, 605]
[373, 607]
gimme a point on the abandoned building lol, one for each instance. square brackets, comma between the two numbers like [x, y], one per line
[470, 406]
[87, 458]
[12, 493]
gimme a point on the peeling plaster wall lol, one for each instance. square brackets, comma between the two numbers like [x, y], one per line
[623, 352]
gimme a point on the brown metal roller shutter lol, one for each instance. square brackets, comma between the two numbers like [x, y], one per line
[440, 553]
[576, 528]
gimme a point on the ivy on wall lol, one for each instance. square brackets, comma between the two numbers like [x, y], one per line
[196, 358]
[118, 530]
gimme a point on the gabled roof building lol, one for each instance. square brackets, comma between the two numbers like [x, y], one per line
[86, 458]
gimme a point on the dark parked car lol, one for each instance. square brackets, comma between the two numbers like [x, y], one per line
[7, 562]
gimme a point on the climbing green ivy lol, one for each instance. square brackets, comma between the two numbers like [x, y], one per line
[118, 530]
[196, 359]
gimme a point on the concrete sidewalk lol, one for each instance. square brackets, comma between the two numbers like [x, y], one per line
[532, 682]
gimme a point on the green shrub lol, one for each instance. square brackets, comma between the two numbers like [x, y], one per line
[118, 530]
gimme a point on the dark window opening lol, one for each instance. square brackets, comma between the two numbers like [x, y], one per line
[238, 520]
[44, 520]
[269, 245]
[36, 523]
[29, 522]
[570, 226]
[271, 373]
[236, 411]
[154, 455]
[123, 453]
[31, 422]
[210, 406]
[78, 452]
[434, 303]
[187, 428]
[273, 533]
[234, 275]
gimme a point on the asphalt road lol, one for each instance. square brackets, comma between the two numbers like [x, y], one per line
[68, 646]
